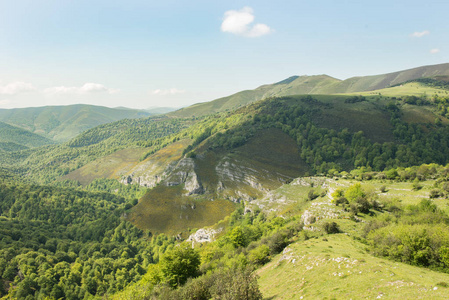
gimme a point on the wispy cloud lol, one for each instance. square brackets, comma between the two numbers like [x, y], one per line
[87, 88]
[173, 91]
[239, 22]
[16, 88]
[419, 34]
[434, 51]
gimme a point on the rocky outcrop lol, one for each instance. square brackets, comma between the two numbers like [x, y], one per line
[232, 171]
[203, 235]
[184, 173]
[308, 218]
[148, 181]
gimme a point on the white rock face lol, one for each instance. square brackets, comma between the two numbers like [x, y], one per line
[148, 174]
[143, 180]
[203, 235]
[308, 218]
[192, 184]
[184, 173]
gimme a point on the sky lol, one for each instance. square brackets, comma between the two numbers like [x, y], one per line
[142, 54]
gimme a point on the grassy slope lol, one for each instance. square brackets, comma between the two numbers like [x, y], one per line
[411, 89]
[340, 268]
[112, 166]
[127, 162]
[61, 123]
[273, 159]
[319, 84]
[169, 210]
[267, 160]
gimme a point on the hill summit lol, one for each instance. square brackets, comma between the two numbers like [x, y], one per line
[315, 84]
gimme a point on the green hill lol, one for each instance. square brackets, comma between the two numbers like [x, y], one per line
[318, 84]
[61, 123]
[14, 138]
[322, 196]
[242, 155]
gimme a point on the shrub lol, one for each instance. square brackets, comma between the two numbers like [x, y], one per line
[353, 192]
[312, 195]
[360, 205]
[337, 194]
[260, 255]
[341, 200]
[416, 186]
[435, 193]
[277, 242]
[418, 244]
[331, 227]
[236, 285]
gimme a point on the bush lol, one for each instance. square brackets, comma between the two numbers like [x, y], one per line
[277, 242]
[360, 205]
[341, 200]
[260, 255]
[422, 245]
[354, 192]
[416, 186]
[236, 285]
[312, 195]
[331, 227]
[435, 193]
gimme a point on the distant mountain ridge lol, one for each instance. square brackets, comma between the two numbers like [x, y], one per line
[61, 123]
[315, 84]
[13, 138]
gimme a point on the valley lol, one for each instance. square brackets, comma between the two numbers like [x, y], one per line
[311, 187]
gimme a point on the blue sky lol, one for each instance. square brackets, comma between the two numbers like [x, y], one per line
[141, 54]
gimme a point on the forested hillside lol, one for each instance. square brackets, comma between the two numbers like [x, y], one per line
[45, 165]
[322, 192]
[14, 138]
[61, 123]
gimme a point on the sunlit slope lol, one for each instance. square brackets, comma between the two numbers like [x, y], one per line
[317, 84]
[339, 267]
[61, 123]
[134, 137]
[199, 192]
[410, 89]
[126, 165]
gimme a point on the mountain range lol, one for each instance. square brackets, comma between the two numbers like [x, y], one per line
[316, 84]
[61, 123]
[326, 188]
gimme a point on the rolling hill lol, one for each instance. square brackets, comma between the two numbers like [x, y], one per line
[14, 138]
[61, 123]
[326, 196]
[317, 84]
[243, 155]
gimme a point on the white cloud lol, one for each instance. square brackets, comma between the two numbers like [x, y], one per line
[160, 92]
[434, 51]
[87, 88]
[16, 88]
[418, 34]
[239, 22]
